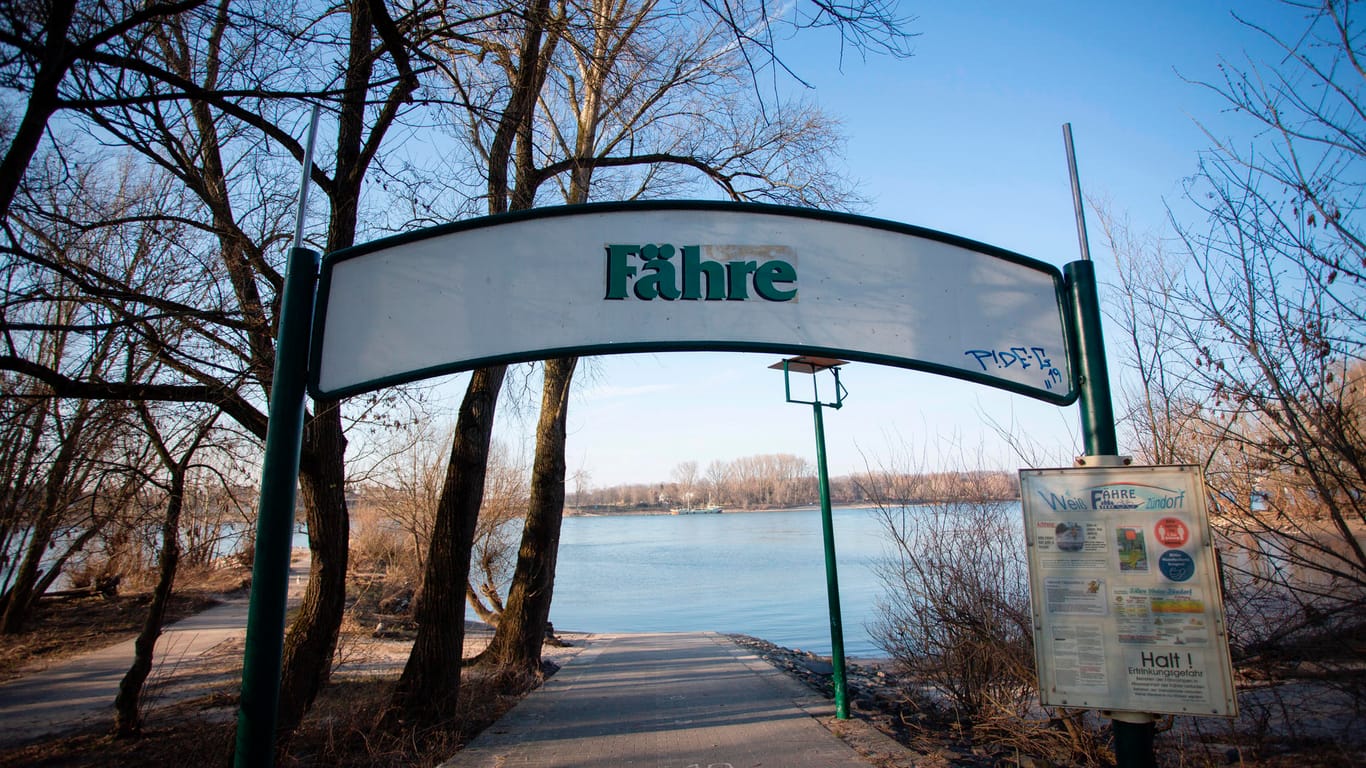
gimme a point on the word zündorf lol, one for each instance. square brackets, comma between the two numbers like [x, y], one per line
[701, 272]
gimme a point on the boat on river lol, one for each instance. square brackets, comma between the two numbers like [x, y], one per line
[695, 511]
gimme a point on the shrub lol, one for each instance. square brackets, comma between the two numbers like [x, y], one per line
[956, 612]
[956, 617]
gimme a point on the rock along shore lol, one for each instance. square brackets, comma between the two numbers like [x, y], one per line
[880, 696]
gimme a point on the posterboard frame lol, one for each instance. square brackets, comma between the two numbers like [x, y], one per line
[1128, 611]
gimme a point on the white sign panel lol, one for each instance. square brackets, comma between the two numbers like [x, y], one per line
[1127, 609]
[601, 279]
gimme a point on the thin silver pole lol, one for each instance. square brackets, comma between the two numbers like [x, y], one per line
[308, 173]
[1076, 192]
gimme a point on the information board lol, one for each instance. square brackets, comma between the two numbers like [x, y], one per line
[1128, 613]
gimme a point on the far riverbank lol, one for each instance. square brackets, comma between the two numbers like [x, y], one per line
[605, 510]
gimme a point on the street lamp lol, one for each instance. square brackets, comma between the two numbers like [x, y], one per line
[813, 366]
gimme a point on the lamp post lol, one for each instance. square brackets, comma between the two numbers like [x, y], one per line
[813, 366]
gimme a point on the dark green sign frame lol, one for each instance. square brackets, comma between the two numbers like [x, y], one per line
[1065, 394]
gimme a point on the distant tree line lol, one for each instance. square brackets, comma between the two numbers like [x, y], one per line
[771, 481]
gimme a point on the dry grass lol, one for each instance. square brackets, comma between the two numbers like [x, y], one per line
[191, 741]
[341, 731]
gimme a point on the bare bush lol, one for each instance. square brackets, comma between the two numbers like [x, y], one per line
[377, 546]
[956, 613]
[956, 617]
[394, 515]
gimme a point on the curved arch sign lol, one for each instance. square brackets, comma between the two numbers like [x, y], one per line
[673, 276]
[641, 277]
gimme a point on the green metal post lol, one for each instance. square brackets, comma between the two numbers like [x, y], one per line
[1097, 413]
[1133, 740]
[261, 660]
[832, 582]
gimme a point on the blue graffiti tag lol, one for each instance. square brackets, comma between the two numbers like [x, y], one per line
[1023, 357]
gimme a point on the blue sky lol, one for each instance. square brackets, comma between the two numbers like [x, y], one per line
[964, 137]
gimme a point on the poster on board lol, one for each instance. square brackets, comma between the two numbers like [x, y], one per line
[1128, 614]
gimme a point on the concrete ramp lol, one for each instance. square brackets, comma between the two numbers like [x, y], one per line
[664, 701]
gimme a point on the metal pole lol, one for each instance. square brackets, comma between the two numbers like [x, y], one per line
[1088, 351]
[259, 703]
[1076, 193]
[303, 178]
[261, 659]
[832, 582]
[1133, 740]
[1134, 731]
[1097, 412]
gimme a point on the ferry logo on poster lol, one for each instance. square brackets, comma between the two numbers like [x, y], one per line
[1131, 495]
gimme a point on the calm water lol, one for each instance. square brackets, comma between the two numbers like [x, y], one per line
[757, 573]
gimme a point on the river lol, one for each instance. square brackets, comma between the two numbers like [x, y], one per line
[756, 573]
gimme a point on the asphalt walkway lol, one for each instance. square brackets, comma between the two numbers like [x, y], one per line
[80, 691]
[665, 701]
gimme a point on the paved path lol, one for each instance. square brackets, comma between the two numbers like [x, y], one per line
[665, 701]
[80, 691]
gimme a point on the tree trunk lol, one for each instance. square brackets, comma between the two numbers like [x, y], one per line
[43, 101]
[127, 720]
[430, 683]
[312, 638]
[21, 452]
[23, 594]
[485, 614]
[55, 570]
[517, 643]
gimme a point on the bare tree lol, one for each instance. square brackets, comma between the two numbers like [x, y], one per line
[597, 80]
[686, 475]
[207, 98]
[506, 497]
[718, 480]
[609, 105]
[67, 451]
[41, 44]
[408, 485]
[430, 683]
[1249, 343]
[583, 480]
[75, 438]
[516, 643]
[176, 456]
